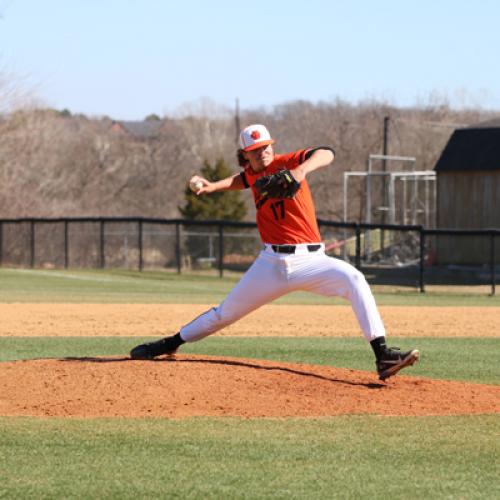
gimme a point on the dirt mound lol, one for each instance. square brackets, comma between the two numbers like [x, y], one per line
[190, 385]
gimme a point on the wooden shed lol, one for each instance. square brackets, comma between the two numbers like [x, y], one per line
[468, 192]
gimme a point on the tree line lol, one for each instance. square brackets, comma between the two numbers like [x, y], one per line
[53, 163]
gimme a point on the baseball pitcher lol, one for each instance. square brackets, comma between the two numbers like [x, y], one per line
[292, 257]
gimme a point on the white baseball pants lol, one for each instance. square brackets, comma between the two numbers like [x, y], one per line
[275, 274]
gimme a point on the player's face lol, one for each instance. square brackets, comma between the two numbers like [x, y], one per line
[260, 158]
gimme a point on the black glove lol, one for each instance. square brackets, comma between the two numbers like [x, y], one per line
[279, 185]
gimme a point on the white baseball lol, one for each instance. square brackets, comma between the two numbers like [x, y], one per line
[195, 185]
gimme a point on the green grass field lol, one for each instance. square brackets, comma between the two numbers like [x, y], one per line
[121, 286]
[338, 457]
[342, 457]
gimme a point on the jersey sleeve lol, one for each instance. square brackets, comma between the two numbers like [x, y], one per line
[293, 160]
[244, 180]
[309, 152]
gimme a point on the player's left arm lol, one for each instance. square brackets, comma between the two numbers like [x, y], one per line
[314, 159]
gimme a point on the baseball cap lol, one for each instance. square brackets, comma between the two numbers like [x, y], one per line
[255, 136]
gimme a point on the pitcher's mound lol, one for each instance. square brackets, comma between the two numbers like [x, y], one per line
[190, 385]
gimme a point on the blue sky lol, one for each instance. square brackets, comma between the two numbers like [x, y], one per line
[129, 58]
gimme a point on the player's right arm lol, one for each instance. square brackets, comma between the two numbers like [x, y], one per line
[232, 183]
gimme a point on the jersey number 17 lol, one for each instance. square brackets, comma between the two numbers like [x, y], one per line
[278, 209]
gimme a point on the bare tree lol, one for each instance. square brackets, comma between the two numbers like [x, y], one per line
[53, 163]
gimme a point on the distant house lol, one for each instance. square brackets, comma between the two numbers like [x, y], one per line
[142, 129]
[468, 190]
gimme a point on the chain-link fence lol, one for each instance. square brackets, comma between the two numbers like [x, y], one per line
[387, 254]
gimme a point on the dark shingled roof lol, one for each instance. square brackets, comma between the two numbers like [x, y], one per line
[473, 148]
[146, 129]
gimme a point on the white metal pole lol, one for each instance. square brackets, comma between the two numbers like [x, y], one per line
[344, 249]
[368, 216]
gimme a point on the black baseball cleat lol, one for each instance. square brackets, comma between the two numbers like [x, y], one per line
[394, 360]
[150, 350]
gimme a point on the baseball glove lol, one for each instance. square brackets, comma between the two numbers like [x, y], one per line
[279, 185]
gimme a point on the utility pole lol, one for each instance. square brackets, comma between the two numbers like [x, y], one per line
[237, 121]
[386, 138]
[385, 152]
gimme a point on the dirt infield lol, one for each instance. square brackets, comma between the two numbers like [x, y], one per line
[29, 320]
[188, 385]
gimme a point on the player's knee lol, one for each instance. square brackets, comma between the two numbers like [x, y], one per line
[355, 279]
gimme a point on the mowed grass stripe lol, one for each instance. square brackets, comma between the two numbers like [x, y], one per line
[341, 457]
[124, 287]
[466, 359]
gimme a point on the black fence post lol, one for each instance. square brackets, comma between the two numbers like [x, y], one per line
[422, 260]
[32, 244]
[66, 244]
[139, 243]
[178, 247]
[221, 250]
[493, 264]
[358, 247]
[101, 245]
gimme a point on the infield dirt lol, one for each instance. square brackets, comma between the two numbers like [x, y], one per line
[32, 320]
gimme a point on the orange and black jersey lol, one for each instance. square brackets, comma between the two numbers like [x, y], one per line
[287, 221]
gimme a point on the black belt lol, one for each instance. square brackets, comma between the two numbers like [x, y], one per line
[291, 248]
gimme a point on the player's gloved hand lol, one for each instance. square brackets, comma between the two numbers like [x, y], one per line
[282, 184]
